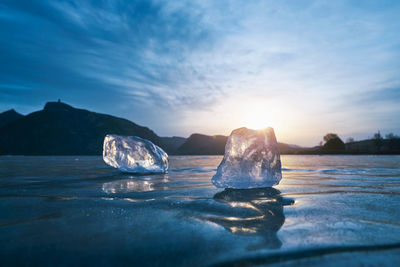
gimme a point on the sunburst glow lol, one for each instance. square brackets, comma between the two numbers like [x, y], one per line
[258, 117]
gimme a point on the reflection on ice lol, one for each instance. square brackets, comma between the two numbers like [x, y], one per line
[257, 211]
[127, 185]
[136, 183]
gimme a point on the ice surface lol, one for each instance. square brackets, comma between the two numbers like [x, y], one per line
[251, 160]
[134, 154]
[62, 210]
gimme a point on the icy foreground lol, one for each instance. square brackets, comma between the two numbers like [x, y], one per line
[134, 154]
[251, 160]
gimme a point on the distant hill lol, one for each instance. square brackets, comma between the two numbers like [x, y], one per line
[333, 146]
[171, 144]
[373, 146]
[9, 116]
[364, 147]
[200, 144]
[60, 129]
[289, 149]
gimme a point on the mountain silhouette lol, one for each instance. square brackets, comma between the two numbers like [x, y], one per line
[171, 144]
[60, 129]
[334, 146]
[9, 116]
[200, 144]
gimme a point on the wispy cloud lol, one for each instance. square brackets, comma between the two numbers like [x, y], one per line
[187, 66]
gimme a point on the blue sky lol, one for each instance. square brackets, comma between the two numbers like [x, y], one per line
[304, 67]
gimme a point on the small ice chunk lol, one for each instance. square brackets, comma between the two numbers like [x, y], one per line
[134, 154]
[251, 160]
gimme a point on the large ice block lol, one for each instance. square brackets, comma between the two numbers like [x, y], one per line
[134, 154]
[251, 160]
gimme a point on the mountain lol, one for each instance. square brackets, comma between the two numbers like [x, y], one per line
[290, 149]
[60, 129]
[374, 146]
[171, 144]
[200, 144]
[334, 146]
[9, 116]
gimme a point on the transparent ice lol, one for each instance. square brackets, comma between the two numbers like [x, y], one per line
[134, 154]
[251, 160]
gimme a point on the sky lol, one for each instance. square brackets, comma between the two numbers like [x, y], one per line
[305, 68]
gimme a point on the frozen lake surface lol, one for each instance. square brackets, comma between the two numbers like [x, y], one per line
[75, 210]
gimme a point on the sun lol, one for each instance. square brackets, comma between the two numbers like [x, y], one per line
[258, 118]
[257, 125]
[253, 113]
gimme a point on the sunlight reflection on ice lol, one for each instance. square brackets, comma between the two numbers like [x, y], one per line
[124, 186]
[267, 204]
